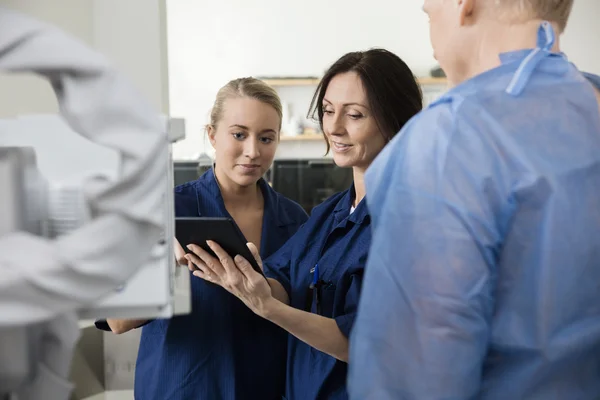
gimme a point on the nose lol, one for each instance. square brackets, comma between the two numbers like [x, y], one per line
[251, 148]
[334, 125]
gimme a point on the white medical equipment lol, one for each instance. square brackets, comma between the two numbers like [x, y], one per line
[85, 223]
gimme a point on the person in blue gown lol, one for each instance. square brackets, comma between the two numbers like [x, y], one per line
[316, 277]
[483, 280]
[222, 350]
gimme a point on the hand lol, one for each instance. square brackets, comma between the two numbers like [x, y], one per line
[180, 257]
[236, 276]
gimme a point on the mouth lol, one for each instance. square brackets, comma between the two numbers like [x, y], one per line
[340, 147]
[249, 167]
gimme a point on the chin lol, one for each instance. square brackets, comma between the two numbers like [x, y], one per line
[247, 179]
[342, 161]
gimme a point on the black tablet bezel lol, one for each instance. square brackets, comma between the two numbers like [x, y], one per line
[221, 230]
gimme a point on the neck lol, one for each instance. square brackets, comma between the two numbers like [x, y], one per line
[359, 184]
[498, 37]
[235, 195]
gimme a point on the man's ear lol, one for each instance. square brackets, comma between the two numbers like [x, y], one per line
[465, 10]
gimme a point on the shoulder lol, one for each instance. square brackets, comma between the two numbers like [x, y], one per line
[288, 211]
[293, 209]
[449, 140]
[186, 195]
[419, 142]
[593, 79]
[186, 188]
[330, 203]
[186, 200]
[462, 123]
[191, 188]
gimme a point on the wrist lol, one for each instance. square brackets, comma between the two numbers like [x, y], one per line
[269, 308]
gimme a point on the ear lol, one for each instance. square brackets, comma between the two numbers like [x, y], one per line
[465, 10]
[211, 131]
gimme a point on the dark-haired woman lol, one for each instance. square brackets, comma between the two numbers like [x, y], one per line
[314, 280]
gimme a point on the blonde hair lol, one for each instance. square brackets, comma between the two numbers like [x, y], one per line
[556, 11]
[245, 87]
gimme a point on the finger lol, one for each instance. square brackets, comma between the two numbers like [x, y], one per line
[255, 254]
[190, 264]
[224, 258]
[204, 272]
[213, 263]
[203, 275]
[182, 261]
[199, 264]
[179, 252]
[245, 268]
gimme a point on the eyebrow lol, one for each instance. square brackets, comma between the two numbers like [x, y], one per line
[348, 104]
[268, 130]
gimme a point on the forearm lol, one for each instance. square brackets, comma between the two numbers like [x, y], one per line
[278, 291]
[120, 326]
[319, 332]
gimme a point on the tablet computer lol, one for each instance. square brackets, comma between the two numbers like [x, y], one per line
[197, 230]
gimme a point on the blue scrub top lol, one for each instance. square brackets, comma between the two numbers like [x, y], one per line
[484, 275]
[338, 242]
[222, 350]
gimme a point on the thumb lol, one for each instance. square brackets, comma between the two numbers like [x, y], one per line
[255, 254]
[179, 253]
[244, 266]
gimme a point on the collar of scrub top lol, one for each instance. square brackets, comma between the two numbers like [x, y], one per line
[341, 212]
[210, 187]
[546, 38]
[529, 60]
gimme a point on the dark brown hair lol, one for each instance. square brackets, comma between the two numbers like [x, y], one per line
[393, 93]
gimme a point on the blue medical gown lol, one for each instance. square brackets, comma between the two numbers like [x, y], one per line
[484, 274]
[222, 350]
[338, 241]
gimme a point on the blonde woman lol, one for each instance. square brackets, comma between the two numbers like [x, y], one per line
[222, 350]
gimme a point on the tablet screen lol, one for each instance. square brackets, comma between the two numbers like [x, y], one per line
[224, 231]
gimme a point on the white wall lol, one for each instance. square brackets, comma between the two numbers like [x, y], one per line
[212, 42]
[29, 94]
[132, 33]
[581, 37]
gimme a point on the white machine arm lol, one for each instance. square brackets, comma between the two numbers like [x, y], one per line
[41, 278]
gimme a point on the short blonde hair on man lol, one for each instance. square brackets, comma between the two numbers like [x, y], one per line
[556, 11]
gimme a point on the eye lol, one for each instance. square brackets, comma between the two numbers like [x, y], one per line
[327, 110]
[238, 135]
[267, 140]
[355, 116]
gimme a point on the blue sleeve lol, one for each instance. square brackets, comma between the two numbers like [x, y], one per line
[277, 266]
[350, 293]
[423, 323]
